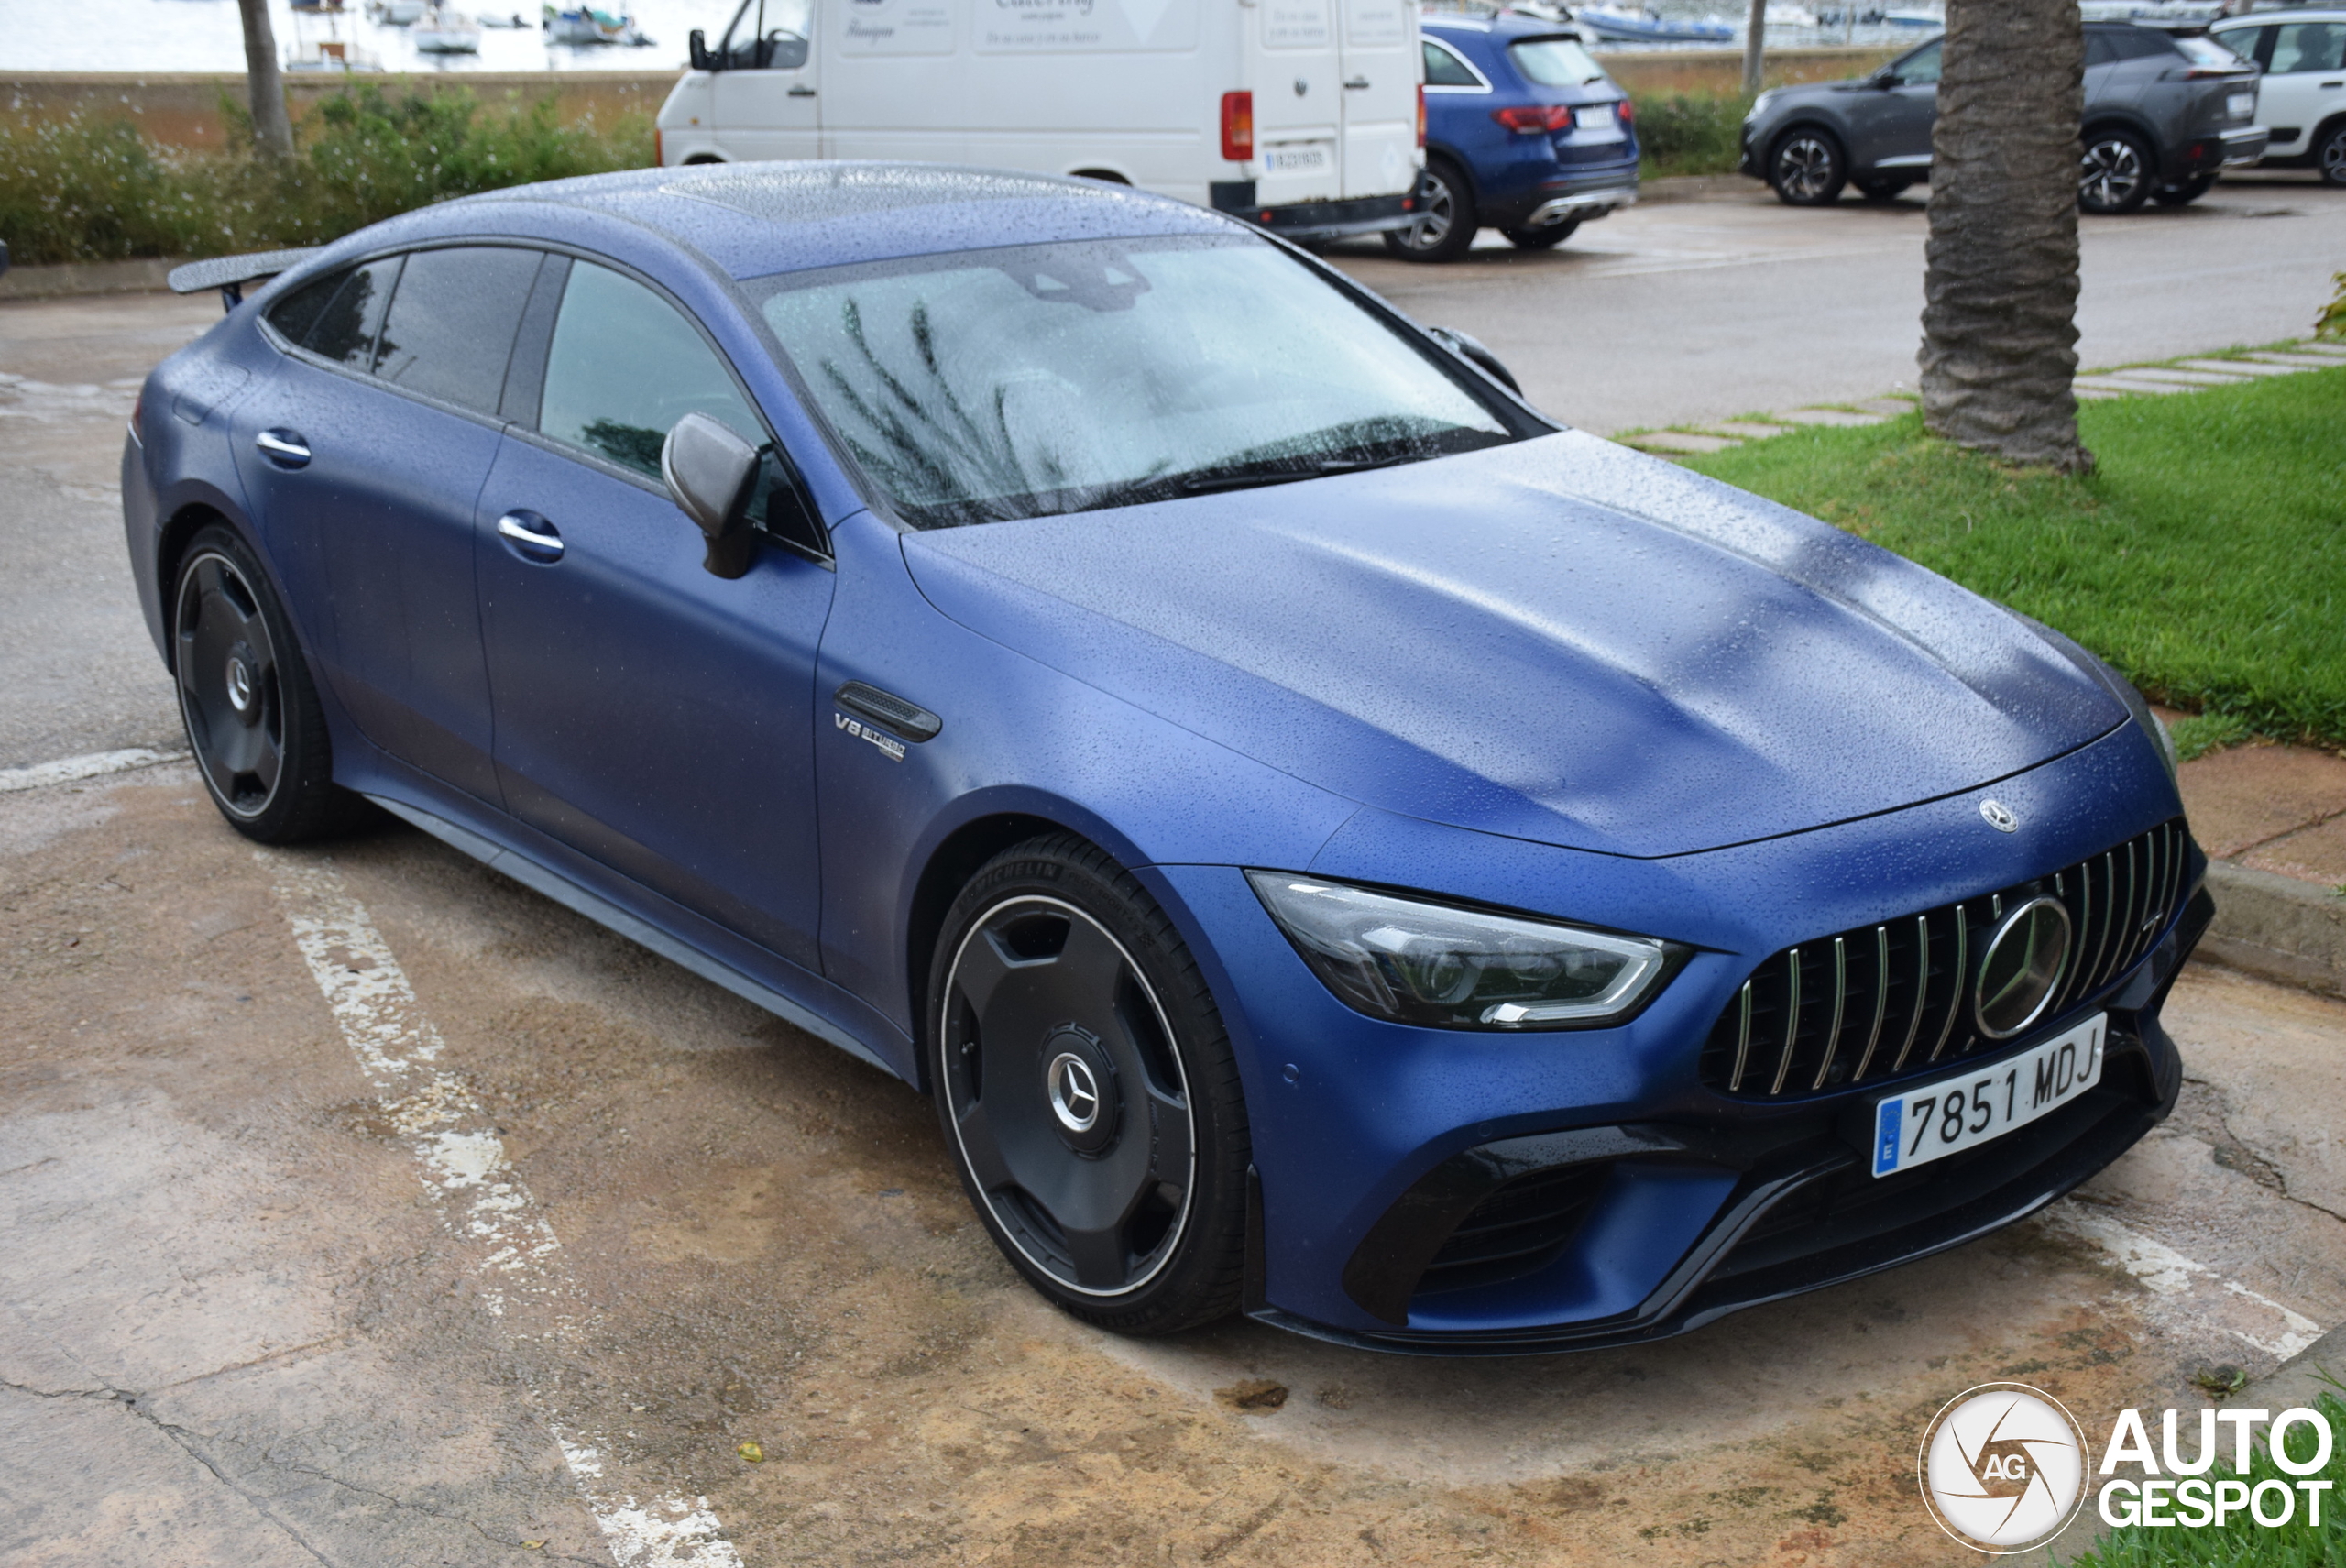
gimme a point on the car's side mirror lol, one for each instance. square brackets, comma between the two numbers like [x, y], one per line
[1884, 81]
[1471, 350]
[711, 473]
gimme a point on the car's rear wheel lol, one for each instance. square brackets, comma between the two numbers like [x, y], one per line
[251, 715]
[1546, 238]
[2183, 192]
[1443, 227]
[2330, 155]
[1881, 187]
[1088, 1091]
[2115, 173]
[1807, 168]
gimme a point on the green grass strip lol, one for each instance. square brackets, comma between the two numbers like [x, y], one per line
[2205, 557]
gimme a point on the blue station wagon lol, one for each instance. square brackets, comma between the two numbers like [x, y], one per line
[1334, 844]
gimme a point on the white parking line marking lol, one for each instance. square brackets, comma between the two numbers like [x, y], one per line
[65, 769]
[463, 1164]
[2168, 1273]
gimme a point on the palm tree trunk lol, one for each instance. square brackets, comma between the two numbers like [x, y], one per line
[273, 132]
[2000, 283]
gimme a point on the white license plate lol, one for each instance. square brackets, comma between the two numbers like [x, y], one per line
[1960, 1113]
[2240, 104]
[1594, 118]
[1295, 159]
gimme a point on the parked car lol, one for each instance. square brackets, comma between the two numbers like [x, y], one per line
[2301, 97]
[2164, 113]
[1524, 134]
[1275, 115]
[1335, 843]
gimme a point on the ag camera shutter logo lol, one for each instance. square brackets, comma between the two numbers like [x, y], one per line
[2003, 1467]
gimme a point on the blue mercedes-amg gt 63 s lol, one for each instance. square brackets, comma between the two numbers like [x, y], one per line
[1335, 844]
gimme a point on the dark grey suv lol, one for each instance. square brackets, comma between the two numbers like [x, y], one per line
[2164, 113]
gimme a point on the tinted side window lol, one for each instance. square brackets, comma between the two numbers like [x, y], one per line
[1444, 69]
[2098, 51]
[625, 366]
[1920, 69]
[2139, 43]
[339, 315]
[2310, 46]
[296, 315]
[451, 324]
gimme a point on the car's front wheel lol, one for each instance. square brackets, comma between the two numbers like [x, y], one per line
[2330, 155]
[1546, 238]
[2114, 174]
[1088, 1091]
[1808, 168]
[1443, 227]
[2183, 192]
[251, 714]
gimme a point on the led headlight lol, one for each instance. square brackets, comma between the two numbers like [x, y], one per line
[1447, 967]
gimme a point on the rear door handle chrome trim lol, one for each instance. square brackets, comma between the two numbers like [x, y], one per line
[534, 535]
[285, 448]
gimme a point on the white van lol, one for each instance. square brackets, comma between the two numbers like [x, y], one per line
[1303, 117]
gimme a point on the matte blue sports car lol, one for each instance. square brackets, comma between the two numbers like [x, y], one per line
[1335, 844]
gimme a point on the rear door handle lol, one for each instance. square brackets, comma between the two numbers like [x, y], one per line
[1356, 84]
[286, 448]
[531, 537]
[802, 92]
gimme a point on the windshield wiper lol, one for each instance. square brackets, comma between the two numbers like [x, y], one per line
[1247, 478]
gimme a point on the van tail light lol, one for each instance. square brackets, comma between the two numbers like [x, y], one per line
[1421, 114]
[1535, 119]
[1238, 127]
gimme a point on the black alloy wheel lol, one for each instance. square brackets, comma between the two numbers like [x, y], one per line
[2329, 156]
[1807, 168]
[1547, 236]
[252, 716]
[1442, 226]
[1881, 187]
[2183, 192]
[2114, 175]
[1088, 1091]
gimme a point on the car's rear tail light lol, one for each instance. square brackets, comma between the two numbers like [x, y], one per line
[1535, 119]
[1421, 114]
[1238, 127]
[1628, 112]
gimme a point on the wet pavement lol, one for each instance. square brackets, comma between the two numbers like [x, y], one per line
[361, 1206]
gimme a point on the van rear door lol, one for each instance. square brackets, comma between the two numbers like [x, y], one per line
[1298, 104]
[1380, 69]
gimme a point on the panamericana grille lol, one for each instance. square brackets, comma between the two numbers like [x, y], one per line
[1870, 1005]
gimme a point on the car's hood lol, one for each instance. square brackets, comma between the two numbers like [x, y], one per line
[1558, 640]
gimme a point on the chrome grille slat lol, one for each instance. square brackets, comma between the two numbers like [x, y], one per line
[2120, 902]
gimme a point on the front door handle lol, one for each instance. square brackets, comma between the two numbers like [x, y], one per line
[802, 90]
[1356, 84]
[286, 448]
[531, 537]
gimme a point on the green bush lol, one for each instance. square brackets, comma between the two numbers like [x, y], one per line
[1691, 134]
[97, 191]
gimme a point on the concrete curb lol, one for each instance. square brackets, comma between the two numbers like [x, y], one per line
[2298, 1380]
[1698, 187]
[141, 277]
[2276, 927]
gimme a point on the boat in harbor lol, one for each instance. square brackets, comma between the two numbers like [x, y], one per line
[441, 31]
[1647, 25]
[585, 25]
[331, 55]
[395, 13]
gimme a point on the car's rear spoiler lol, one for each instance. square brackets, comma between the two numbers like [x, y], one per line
[229, 274]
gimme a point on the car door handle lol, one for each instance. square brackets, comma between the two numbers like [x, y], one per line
[286, 448]
[531, 537]
[1356, 84]
[802, 92]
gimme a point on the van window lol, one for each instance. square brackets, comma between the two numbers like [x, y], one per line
[451, 324]
[625, 366]
[767, 34]
[1555, 63]
[1035, 380]
[337, 317]
[1444, 69]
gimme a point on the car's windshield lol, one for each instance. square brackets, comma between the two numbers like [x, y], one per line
[1040, 380]
[2210, 53]
[1556, 62]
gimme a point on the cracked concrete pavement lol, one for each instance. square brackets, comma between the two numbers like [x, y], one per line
[235, 1326]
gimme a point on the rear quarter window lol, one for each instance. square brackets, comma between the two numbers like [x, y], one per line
[339, 316]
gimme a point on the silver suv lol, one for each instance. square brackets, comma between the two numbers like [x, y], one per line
[2163, 115]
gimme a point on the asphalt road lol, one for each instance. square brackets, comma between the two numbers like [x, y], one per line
[357, 1205]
